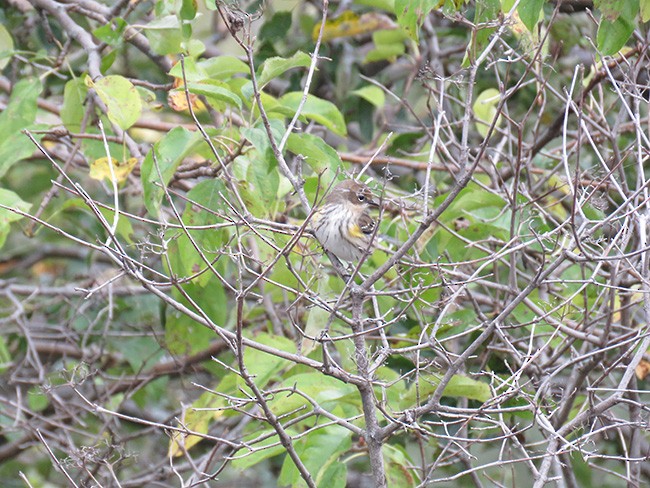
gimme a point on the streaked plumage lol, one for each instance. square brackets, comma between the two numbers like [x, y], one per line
[343, 224]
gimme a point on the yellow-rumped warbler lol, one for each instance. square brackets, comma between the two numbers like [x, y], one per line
[342, 224]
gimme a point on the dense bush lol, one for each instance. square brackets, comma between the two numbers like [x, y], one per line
[169, 319]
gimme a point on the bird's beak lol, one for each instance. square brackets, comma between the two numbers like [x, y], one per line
[373, 203]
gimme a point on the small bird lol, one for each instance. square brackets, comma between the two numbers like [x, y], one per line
[343, 224]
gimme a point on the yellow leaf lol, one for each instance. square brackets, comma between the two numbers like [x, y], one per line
[198, 418]
[517, 27]
[424, 239]
[350, 24]
[177, 99]
[645, 10]
[642, 369]
[99, 169]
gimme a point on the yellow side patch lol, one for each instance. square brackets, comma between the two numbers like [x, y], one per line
[355, 231]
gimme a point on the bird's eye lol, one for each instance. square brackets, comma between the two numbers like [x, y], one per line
[361, 197]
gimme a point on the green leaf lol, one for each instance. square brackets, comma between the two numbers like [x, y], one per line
[184, 258]
[193, 71]
[610, 9]
[36, 399]
[372, 94]
[458, 386]
[592, 212]
[276, 66]
[480, 231]
[263, 366]
[614, 33]
[170, 151]
[5, 356]
[398, 466]
[277, 27]
[486, 11]
[473, 203]
[21, 109]
[183, 335]
[264, 180]
[389, 44]
[240, 167]
[318, 450]
[259, 138]
[316, 323]
[222, 67]
[260, 177]
[215, 90]
[584, 471]
[269, 102]
[19, 114]
[326, 390]
[188, 10]
[411, 14]
[107, 60]
[11, 200]
[384, 53]
[152, 392]
[124, 227]
[316, 109]
[612, 36]
[193, 47]
[387, 5]
[259, 454]
[73, 109]
[389, 37]
[470, 199]
[529, 12]
[165, 35]
[123, 103]
[6, 47]
[211, 298]
[139, 351]
[210, 197]
[645, 10]
[111, 33]
[318, 154]
[462, 386]
[485, 109]
[333, 475]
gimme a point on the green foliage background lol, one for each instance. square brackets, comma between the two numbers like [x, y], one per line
[173, 319]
